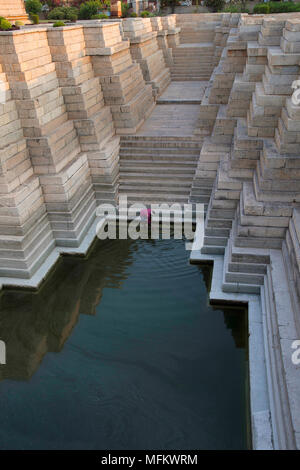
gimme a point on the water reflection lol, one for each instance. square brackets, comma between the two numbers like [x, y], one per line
[33, 323]
[144, 361]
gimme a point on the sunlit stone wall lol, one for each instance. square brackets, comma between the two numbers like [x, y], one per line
[13, 10]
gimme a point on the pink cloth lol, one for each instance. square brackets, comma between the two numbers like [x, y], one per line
[146, 214]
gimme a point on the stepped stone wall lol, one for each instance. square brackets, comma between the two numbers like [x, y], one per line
[162, 39]
[52, 141]
[13, 10]
[145, 51]
[85, 106]
[67, 94]
[249, 162]
[121, 78]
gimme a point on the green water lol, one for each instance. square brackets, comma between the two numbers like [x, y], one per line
[122, 351]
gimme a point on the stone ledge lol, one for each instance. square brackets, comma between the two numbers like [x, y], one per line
[107, 50]
[262, 428]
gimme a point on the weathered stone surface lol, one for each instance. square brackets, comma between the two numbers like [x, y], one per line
[122, 82]
[232, 144]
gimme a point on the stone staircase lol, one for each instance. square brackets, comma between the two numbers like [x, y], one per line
[192, 62]
[157, 169]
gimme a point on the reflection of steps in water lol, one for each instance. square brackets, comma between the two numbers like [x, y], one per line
[236, 321]
[34, 323]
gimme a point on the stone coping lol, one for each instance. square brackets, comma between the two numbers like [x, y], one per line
[107, 50]
[293, 18]
[142, 37]
[41, 28]
[38, 29]
[97, 23]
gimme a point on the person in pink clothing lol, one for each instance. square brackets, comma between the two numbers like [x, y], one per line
[146, 215]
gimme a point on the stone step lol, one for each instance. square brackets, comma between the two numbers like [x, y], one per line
[178, 177]
[158, 164]
[235, 274]
[215, 241]
[219, 232]
[156, 198]
[148, 150]
[218, 223]
[264, 193]
[185, 76]
[276, 56]
[152, 190]
[185, 68]
[264, 99]
[249, 256]
[140, 158]
[227, 183]
[257, 237]
[193, 62]
[168, 182]
[262, 116]
[157, 140]
[241, 138]
[263, 213]
[213, 250]
[201, 190]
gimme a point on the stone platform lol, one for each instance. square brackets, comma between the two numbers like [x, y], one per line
[183, 93]
[177, 120]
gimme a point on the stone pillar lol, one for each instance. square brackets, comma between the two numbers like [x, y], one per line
[13, 10]
[52, 139]
[85, 106]
[144, 49]
[123, 85]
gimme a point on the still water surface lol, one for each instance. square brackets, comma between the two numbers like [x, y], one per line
[122, 351]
